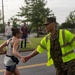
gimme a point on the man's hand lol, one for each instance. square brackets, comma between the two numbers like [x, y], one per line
[27, 58]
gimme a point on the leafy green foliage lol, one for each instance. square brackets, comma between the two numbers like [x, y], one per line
[71, 18]
[2, 28]
[34, 12]
[70, 21]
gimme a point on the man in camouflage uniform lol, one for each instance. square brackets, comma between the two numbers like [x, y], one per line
[62, 68]
[56, 54]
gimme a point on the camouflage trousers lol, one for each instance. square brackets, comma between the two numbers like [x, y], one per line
[67, 69]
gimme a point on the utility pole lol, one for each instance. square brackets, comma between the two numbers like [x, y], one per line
[0, 14]
[3, 12]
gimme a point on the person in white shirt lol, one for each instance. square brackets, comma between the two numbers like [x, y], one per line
[8, 32]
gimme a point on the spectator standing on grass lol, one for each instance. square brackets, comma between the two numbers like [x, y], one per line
[8, 32]
[24, 29]
[59, 45]
[11, 58]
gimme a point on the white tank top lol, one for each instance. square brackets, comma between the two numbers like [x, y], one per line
[9, 51]
[7, 60]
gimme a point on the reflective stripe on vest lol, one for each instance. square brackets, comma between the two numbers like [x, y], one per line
[72, 51]
[66, 43]
[43, 47]
[47, 37]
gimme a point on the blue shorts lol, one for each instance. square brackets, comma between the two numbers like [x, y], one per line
[11, 68]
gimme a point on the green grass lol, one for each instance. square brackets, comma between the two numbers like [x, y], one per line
[33, 45]
[35, 41]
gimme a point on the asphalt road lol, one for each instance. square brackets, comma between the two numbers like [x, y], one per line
[35, 66]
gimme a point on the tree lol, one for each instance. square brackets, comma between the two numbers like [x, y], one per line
[70, 21]
[71, 17]
[66, 25]
[2, 29]
[35, 12]
[14, 21]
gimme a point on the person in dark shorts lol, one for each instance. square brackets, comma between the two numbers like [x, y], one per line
[11, 58]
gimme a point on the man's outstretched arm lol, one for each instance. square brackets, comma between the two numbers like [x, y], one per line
[32, 54]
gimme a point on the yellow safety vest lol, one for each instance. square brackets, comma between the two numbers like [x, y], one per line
[67, 43]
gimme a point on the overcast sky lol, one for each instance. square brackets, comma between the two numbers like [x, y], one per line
[61, 8]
